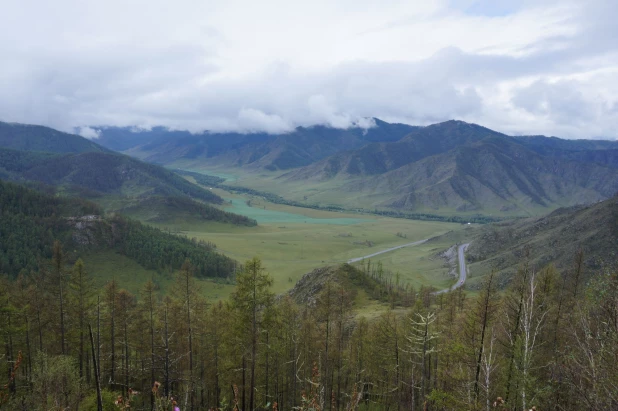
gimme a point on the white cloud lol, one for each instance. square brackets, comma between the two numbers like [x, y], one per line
[518, 66]
[89, 132]
[252, 120]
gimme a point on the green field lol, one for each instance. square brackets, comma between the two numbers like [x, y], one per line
[262, 215]
[293, 241]
[107, 265]
[419, 265]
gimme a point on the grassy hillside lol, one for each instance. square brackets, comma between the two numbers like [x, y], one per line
[31, 221]
[28, 137]
[181, 209]
[360, 285]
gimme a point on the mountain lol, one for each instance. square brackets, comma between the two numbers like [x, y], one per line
[28, 137]
[118, 182]
[456, 166]
[97, 173]
[555, 238]
[30, 222]
[379, 158]
[301, 147]
[491, 174]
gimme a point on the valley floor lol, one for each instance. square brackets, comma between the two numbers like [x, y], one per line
[292, 241]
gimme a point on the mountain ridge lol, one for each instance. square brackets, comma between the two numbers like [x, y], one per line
[465, 167]
[300, 147]
[29, 137]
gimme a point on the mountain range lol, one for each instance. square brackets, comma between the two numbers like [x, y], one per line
[447, 167]
[82, 168]
[303, 146]
[444, 168]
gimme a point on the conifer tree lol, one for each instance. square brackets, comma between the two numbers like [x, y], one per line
[82, 289]
[251, 296]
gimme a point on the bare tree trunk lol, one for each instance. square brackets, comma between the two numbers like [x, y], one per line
[166, 376]
[96, 372]
[152, 346]
[244, 368]
[188, 296]
[267, 364]
[97, 363]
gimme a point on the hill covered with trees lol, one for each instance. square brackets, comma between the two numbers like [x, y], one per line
[31, 221]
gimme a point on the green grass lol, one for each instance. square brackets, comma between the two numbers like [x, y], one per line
[103, 266]
[259, 212]
[418, 265]
[293, 241]
[290, 248]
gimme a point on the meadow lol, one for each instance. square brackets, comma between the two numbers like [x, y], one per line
[292, 241]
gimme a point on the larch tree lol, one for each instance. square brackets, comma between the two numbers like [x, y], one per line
[81, 291]
[250, 298]
[479, 321]
[59, 283]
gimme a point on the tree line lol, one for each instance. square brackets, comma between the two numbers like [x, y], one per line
[548, 341]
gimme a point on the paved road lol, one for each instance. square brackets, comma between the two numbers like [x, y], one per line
[462, 270]
[354, 260]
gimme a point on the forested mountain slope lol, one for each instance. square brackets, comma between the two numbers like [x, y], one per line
[30, 222]
[533, 345]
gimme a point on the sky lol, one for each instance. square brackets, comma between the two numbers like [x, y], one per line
[519, 67]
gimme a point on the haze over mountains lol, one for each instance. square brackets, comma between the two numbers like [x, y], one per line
[446, 167]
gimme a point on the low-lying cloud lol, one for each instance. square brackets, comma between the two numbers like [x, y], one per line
[523, 68]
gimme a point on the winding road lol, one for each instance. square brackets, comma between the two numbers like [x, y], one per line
[462, 270]
[460, 255]
[354, 260]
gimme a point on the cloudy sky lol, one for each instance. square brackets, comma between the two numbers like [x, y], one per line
[521, 67]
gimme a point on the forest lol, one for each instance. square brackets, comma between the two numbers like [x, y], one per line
[30, 221]
[549, 341]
